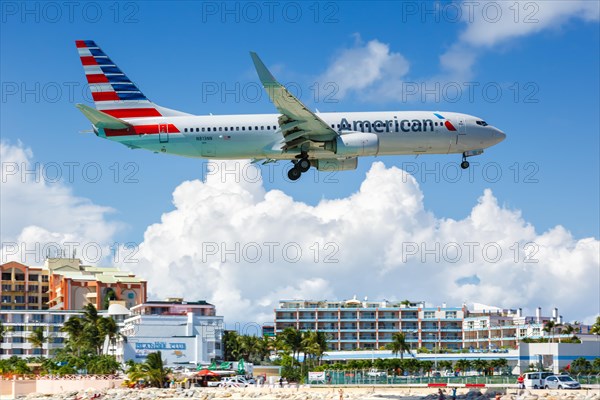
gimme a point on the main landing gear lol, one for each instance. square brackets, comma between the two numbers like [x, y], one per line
[300, 166]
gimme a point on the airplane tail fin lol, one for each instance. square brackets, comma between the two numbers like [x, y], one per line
[113, 92]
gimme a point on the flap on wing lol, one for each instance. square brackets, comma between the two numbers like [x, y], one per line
[298, 124]
[102, 120]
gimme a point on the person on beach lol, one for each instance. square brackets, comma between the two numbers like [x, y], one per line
[521, 381]
[441, 395]
[281, 381]
[453, 393]
[341, 392]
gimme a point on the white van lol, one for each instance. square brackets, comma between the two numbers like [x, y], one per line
[535, 380]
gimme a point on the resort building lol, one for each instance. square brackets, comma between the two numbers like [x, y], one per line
[72, 285]
[186, 333]
[19, 325]
[67, 284]
[367, 325]
[23, 287]
[354, 324]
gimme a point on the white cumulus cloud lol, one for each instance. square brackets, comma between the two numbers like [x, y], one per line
[39, 212]
[366, 65]
[493, 23]
[244, 249]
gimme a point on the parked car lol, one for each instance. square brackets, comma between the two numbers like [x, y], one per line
[561, 382]
[375, 373]
[535, 380]
[236, 381]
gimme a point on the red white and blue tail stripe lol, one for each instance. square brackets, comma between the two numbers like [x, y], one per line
[113, 92]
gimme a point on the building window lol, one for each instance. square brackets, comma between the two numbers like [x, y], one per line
[33, 277]
[19, 277]
[429, 314]
[6, 276]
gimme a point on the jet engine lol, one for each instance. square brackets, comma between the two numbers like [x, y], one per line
[354, 144]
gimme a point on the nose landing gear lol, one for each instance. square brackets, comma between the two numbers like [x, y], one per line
[465, 164]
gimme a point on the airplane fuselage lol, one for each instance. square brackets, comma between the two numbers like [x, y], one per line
[258, 136]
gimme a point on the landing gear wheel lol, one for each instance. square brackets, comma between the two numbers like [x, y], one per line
[294, 173]
[303, 165]
[464, 164]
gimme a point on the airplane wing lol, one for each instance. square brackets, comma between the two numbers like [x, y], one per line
[298, 124]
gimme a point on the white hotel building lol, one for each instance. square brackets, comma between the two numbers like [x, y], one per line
[369, 325]
[186, 333]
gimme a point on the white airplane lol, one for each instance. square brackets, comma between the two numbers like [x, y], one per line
[326, 141]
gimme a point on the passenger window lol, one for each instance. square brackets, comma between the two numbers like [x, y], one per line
[220, 129]
[274, 127]
[268, 127]
[225, 129]
[203, 129]
[185, 129]
[243, 128]
[249, 128]
[197, 129]
[256, 128]
[208, 129]
[262, 128]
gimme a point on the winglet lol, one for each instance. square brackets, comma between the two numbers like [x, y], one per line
[263, 73]
[102, 120]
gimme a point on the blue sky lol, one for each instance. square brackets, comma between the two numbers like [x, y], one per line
[547, 74]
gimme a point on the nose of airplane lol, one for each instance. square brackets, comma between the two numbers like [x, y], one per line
[499, 135]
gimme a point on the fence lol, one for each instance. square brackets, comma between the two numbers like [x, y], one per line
[370, 377]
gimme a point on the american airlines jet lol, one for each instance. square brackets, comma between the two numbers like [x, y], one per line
[326, 141]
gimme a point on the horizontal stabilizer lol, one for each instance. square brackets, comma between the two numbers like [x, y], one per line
[102, 120]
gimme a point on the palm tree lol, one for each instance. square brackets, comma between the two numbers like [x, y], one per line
[595, 330]
[2, 331]
[74, 327]
[231, 346]
[463, 365]
[37, 338]
[154, 369]
[293, 341]
[498, 364]
[107, 327]
[549, 328]
[399, 345]
[445, 365]
[480, 365]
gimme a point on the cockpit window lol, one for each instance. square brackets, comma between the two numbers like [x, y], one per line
[482, 123]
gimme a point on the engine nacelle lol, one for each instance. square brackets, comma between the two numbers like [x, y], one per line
[354, 144]
[333, 164]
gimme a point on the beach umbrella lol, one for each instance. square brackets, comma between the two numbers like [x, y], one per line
[206, 372]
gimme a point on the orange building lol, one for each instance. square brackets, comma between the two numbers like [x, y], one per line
[67, 284]
[23, 287]
[73, 285]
